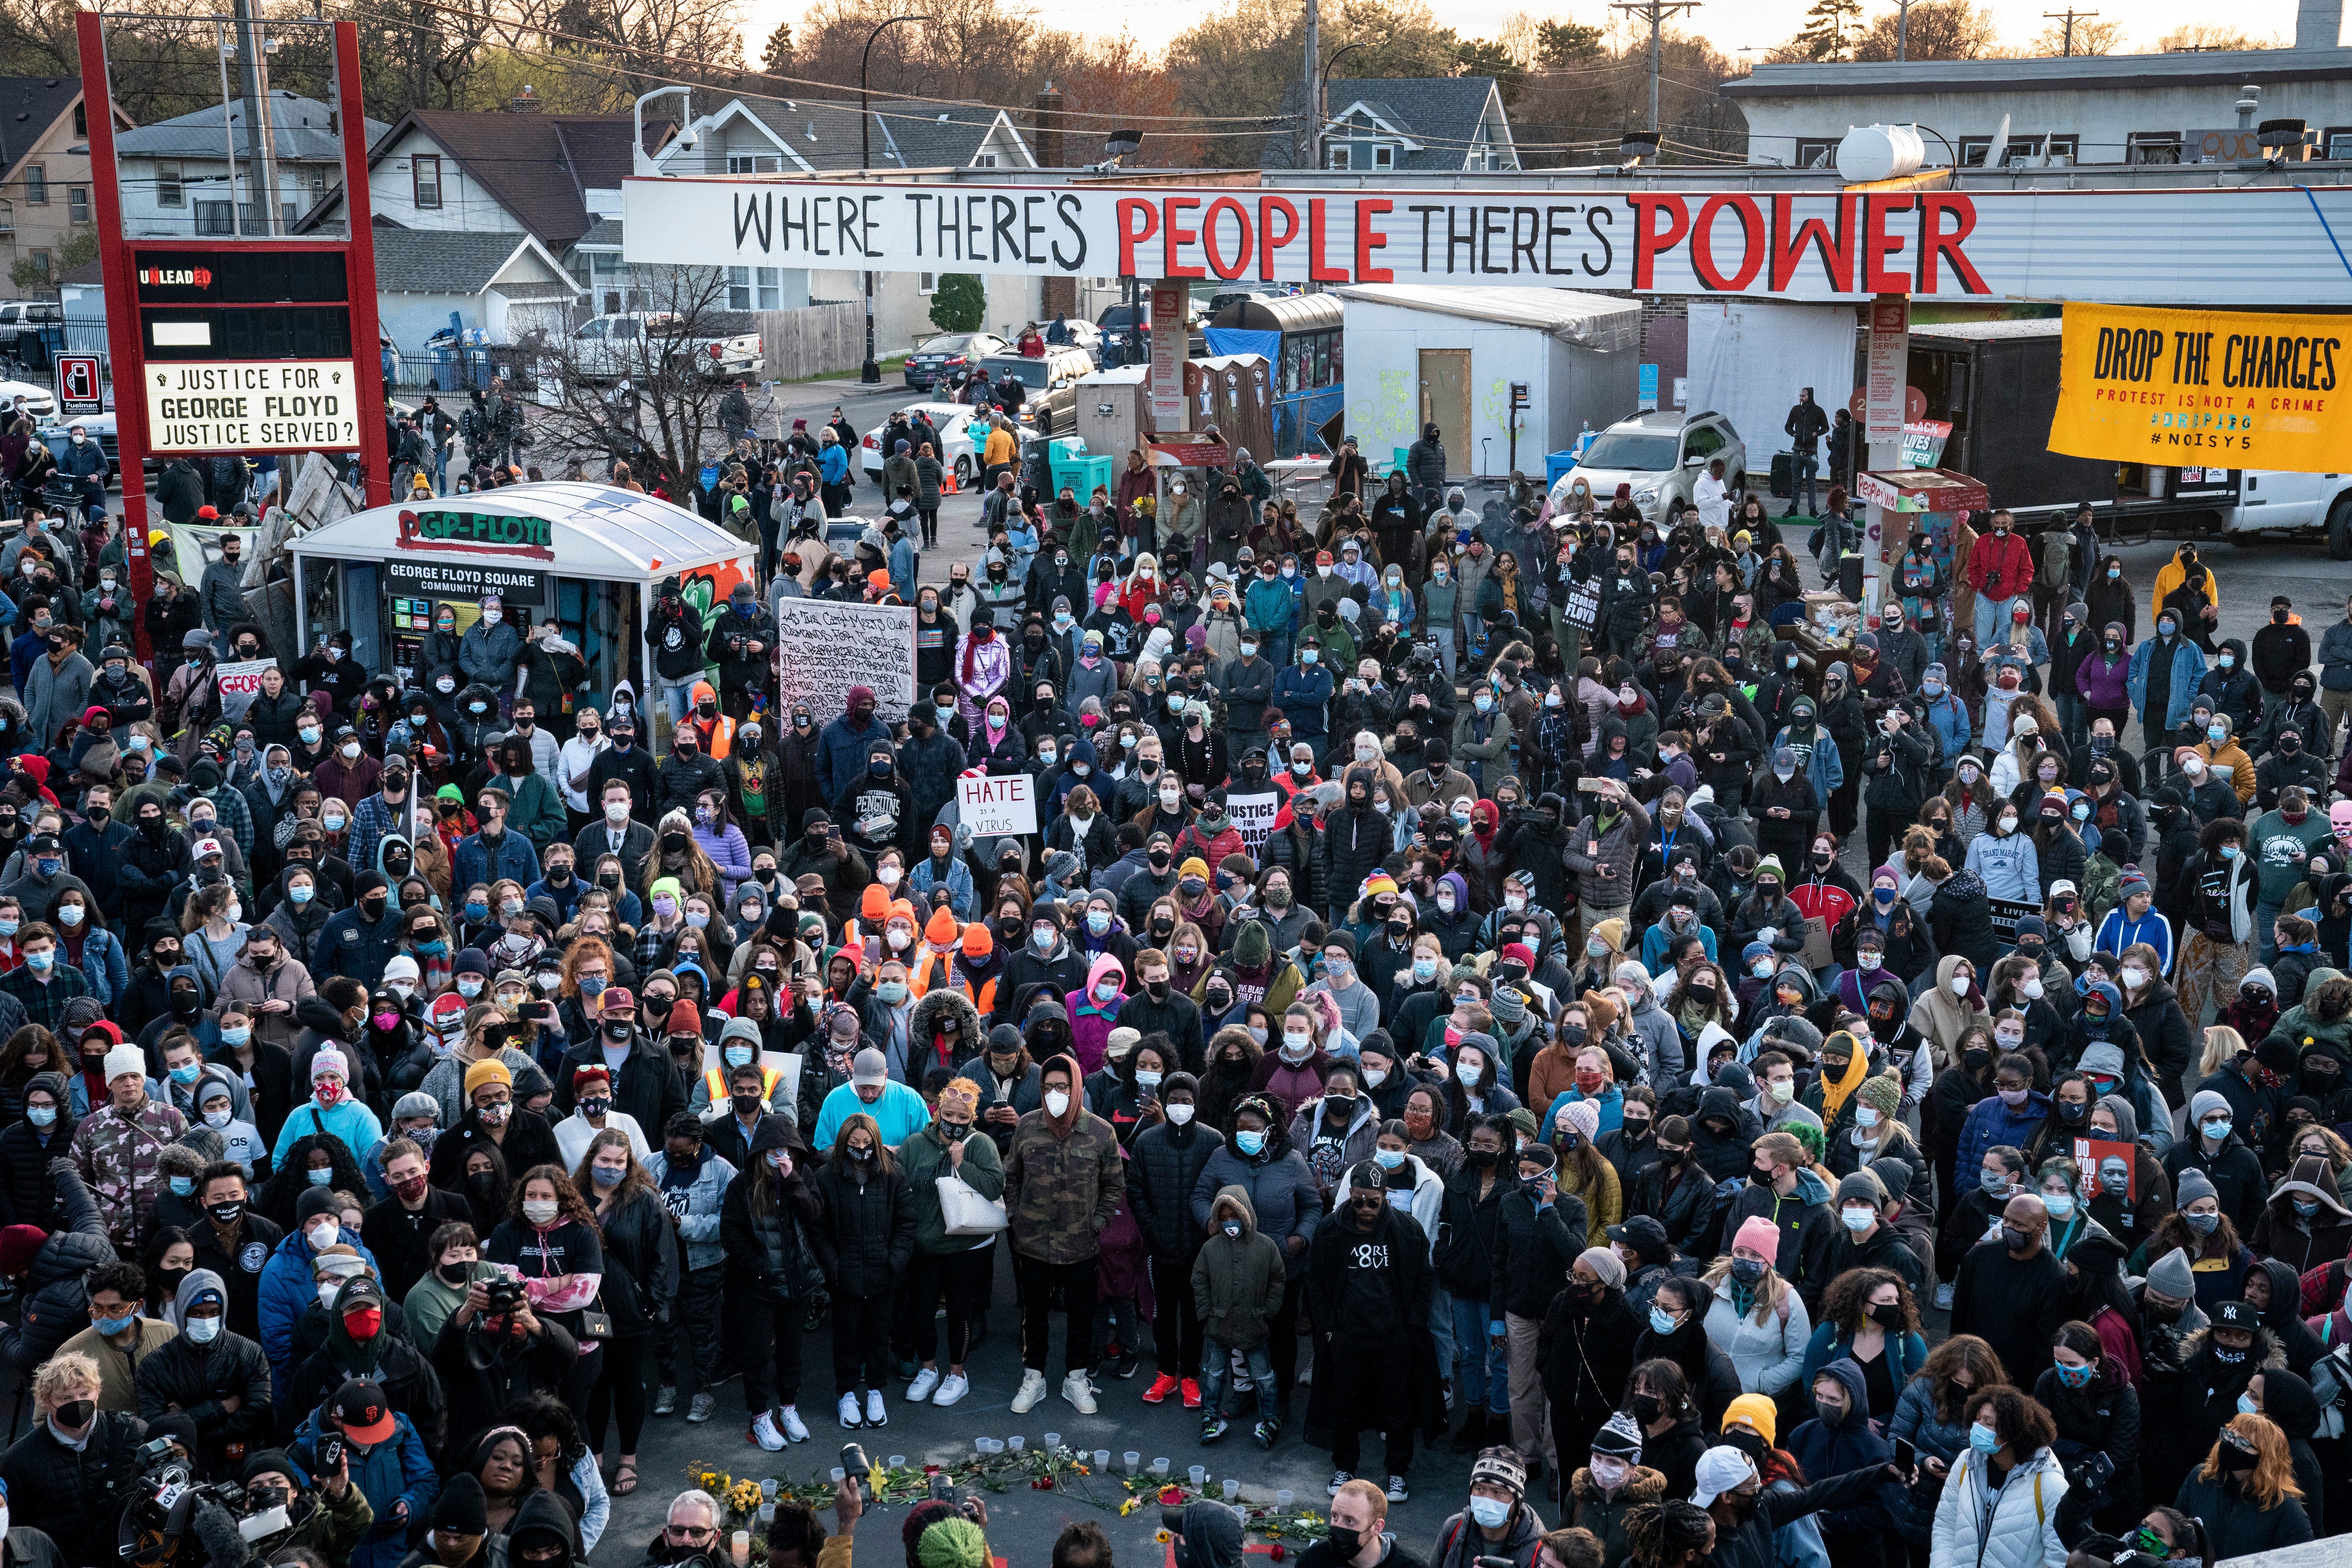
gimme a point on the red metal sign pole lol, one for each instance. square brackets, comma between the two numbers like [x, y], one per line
[359, 262]
[122, 320]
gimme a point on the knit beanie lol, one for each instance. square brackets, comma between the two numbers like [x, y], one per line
[1881, 1094]
[2170, 1274]
[1758, 1234]
[1582, 1117]
[1620, 1437]
[1758, 1411]
[490, 1070]
[2193, 1184]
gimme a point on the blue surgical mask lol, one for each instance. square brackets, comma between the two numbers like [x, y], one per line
[111, 1326]
[2059, 1204]
[1424, 969]
[2246, 1405]
[1983, 1439]
[184, 1186]
[1388, 1158]
[1489, 1512]
[739, 1056]
[1250, 1143]
[303, 895]
[1098, 921]
[320, 1178]
[187, 1074]
[42, 1115]
[236, 1036]
[1661, 1320]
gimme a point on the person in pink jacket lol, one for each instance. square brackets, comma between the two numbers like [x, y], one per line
[1094, 1011]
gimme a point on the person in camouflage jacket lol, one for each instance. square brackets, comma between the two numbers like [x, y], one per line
[116, 1150]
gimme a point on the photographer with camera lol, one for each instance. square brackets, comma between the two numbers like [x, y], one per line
[69, 1475]
[218, 1378]
[360, 1432]
[330, 1521]
[494, 1350]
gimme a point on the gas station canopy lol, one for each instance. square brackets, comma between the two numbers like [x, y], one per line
[579, 531]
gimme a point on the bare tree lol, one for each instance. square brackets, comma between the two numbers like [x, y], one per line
[2205, 35]
[2094, 35]
[637, 387]
[1939, 30]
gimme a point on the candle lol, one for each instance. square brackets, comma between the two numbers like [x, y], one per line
[742, 1547]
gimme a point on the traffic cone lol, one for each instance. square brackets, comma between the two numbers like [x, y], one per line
[947, 482]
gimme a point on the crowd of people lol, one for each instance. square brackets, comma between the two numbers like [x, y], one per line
[1478, 1010]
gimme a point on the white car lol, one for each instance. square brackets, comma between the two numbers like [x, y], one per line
[1661, 455]
[960, 451]
[40, 402]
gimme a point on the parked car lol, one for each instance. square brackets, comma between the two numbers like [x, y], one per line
[1050, 400]
[40, 402]
[962, 449]
[1126, 336]
[1661, 454]
[634, 343]
[951, 355]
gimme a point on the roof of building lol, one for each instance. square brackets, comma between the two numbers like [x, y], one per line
[442, 261]
[2052, 73]
[604, 233]
[1980, 331]
[300, 127]
[1589, 320]
[537, 166]
[599, 532]
[29, 105]
[902, 133]
[1440, 114]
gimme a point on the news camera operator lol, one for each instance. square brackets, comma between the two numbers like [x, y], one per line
[71, 1474]
[494, 1350]
[329, 1518]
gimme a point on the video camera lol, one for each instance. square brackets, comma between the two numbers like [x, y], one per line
[163, 1504]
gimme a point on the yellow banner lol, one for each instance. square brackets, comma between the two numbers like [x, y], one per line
[2241, 390]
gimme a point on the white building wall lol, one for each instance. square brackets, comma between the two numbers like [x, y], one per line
[1566, 386]
[2104, 119]
[464, 206]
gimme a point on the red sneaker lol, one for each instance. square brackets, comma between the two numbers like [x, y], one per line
[1161, 1387]
[1192, 1394]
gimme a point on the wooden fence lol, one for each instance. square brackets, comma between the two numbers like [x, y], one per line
[819, 340]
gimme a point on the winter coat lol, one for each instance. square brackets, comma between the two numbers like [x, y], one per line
[1768, 1355]
[74, 1496]
[867, 1236]
[1061, 1184]
[1854, 1444]
[2023, 1528]
[1282, 1192]
[1166, 1162]
[287, 1289]
[196, 1378]
[396, 1470]
[2235, 1524]
[1991, 1123]
[54, 1305]
[1238, 1282]
[116, 1156]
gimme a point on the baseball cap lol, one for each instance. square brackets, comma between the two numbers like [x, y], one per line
[363, 1413]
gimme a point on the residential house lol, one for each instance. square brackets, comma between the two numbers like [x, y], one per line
[815, 137]
[190, 175]
[2055, 110]
[1426, 125]
[45, 191]
[507, 285]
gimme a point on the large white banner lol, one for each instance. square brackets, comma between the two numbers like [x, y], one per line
[2163, 245]
[824, 647]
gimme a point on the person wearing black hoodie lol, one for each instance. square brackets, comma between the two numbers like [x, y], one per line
[47, 1272]
[2289, 1402]
[29, 1193]
[198, 1377]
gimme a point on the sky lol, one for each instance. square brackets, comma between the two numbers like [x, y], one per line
[1731, 27]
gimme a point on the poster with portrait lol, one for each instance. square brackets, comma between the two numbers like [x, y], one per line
[2108, 1167]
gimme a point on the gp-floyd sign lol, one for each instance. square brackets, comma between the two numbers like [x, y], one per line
[273, 405]
[2134, 244]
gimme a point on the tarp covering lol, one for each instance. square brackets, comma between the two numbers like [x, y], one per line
[1586, 320]
[1749, 357]
[1240, 341]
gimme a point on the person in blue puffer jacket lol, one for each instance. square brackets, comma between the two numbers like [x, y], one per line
[1947, 715]
[388, 1464]
[330, 1108]
[2005, 858]
[2009, 1116]
[290, 1283]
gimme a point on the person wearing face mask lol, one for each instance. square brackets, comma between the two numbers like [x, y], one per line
[1063, 1178]
[2182, 1417]
[2166, 672]
[289, 1287]
[216, 1375]
[65, 1478]
[692, 1180]
[2010, 1291]
[958, 1268]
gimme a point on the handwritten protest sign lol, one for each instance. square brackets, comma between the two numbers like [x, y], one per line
[240, 682]
[824, 647]
[1254, 816]
[995, 806]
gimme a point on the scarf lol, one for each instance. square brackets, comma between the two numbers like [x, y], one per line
[1836, 1091]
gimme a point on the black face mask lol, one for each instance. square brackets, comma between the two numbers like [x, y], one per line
[1484, 1158]
[1647, 1407]
[455, 1275]
[744, 1104]
[225, 1214]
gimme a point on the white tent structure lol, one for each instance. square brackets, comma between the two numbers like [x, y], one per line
[589, 553]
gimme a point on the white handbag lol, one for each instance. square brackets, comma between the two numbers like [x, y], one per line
[966, 1212]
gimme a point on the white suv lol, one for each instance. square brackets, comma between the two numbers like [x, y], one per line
[1661, 455]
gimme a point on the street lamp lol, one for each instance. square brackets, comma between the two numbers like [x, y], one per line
[870, 373]
[1323, 98]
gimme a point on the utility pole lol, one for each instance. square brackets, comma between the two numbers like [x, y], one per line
[1657, 11]
[260, 135]
[869, 373]
[1311, 120]
[1902, 29]
[2069, 17]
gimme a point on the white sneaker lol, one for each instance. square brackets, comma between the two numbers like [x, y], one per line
[795, 1429]
[925, 1381]
[1032, 1393]
[874, 1415]
[952, 1387]
[1079, 1392]
[764, 1433]
[849, 1413]
[1944, 1297]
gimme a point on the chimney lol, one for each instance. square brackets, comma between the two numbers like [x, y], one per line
[2318, 24]
[523, 103]
[1049, 127]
